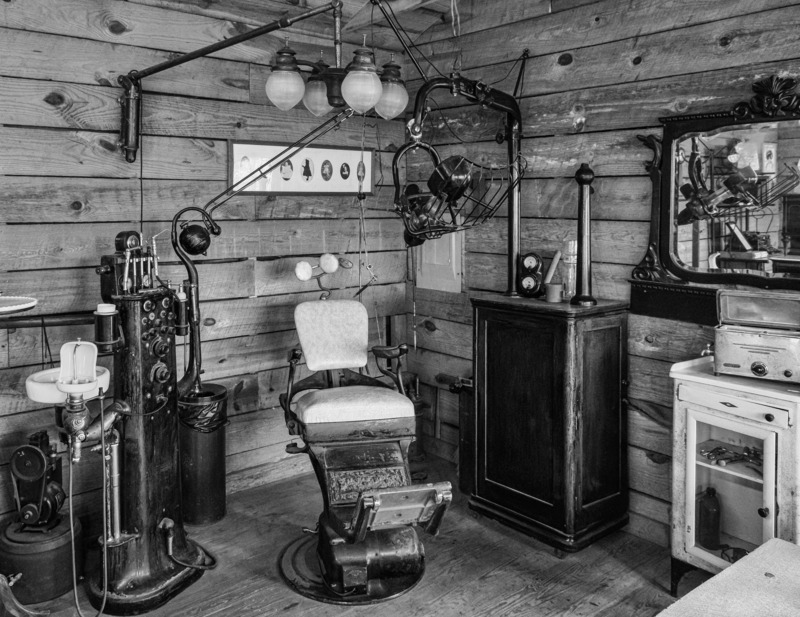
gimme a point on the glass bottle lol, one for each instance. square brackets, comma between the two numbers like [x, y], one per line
[569, 268]
[708, 520]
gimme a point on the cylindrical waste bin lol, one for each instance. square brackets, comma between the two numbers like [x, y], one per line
[203, 417]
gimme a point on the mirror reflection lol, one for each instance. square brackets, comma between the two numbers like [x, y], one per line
[736, 199]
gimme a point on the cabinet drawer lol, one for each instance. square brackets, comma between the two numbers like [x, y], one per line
[768, 412]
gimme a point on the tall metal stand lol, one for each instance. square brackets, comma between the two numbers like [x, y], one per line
[583, 296]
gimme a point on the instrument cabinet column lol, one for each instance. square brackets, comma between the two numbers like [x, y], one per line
[549, 429]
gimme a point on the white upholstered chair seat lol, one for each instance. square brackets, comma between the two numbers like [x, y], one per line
[352, 404]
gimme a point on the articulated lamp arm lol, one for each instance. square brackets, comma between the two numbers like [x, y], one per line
[131, 83]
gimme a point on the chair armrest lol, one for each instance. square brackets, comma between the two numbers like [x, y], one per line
[390, 353]
[285, 400]
[385, 352]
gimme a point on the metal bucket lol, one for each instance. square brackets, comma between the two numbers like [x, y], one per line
[202, 445]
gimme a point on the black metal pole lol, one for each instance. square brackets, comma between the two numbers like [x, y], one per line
[514, 220]
[284, 22]
[131, 83]
[583, 296]
[68, 319]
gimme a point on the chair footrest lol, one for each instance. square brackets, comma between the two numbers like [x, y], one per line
[422, 505]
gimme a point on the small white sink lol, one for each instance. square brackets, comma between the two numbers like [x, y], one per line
[45, 387]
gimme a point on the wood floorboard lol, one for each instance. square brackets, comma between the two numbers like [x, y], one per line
[475, 567]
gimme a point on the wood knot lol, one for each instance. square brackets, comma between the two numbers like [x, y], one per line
[77, 206]
[724, 41]
[209, 321]
[107, 145]
[649, 338]
[117, 27]
[637, 60]
[56, 99]
[429, 325]
[565, 59]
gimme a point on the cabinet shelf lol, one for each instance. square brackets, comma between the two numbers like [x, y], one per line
[740, 469]
[732, 542]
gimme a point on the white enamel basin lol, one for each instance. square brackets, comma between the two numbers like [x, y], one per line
[44, 386]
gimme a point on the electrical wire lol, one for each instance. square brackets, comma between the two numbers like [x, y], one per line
[411, 43]
[510, 70]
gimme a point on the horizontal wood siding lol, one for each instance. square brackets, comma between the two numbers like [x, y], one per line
[600, 74]
[67, 191]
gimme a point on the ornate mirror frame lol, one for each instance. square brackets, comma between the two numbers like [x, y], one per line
[774, 100]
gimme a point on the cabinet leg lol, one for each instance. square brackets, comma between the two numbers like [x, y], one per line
[677, 569]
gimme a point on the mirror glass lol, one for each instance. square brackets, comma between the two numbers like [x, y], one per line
[735, 199]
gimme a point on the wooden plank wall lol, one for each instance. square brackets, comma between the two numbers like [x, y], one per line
[66, 192]
[599, 76]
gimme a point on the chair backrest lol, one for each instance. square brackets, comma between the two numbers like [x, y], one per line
[333, 333]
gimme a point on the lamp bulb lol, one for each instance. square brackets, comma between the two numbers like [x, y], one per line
[303, 271]
[328, 263]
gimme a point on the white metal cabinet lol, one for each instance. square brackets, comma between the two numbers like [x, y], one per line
[758, 498]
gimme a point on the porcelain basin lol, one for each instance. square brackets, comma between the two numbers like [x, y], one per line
[45, 387]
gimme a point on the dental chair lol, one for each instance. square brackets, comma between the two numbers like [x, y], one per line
[357, 430]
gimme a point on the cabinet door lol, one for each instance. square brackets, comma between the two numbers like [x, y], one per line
[520, 375]
[601, 436]
[730, 500]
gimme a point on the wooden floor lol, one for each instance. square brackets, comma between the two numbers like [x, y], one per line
[475, 566]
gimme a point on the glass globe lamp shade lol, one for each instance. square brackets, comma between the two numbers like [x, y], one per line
[285, 89]
[361, 89]
[393, 101]
[395, 97]
[316, 97]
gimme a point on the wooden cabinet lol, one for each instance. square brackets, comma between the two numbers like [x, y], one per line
[549, 430]
[736, 437]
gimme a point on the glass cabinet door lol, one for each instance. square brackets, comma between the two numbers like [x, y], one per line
[730, 487]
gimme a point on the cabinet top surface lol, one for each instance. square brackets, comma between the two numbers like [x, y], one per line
[536, 305]
[701, 370]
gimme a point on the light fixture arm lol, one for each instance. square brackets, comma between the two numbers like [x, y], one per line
[240, 185]
[481, 94]
[131, 83]
[190, 383]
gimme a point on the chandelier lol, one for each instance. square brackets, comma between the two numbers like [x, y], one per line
[359, 86]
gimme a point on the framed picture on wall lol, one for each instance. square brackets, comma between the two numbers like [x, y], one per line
[317, 170]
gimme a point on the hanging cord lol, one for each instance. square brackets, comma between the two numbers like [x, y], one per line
[455, 17]
[455, 23]
[363, 251]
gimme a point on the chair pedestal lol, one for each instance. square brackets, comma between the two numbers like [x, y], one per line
[367, 549]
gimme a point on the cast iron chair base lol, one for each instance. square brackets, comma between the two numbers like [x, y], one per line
[300, 569]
